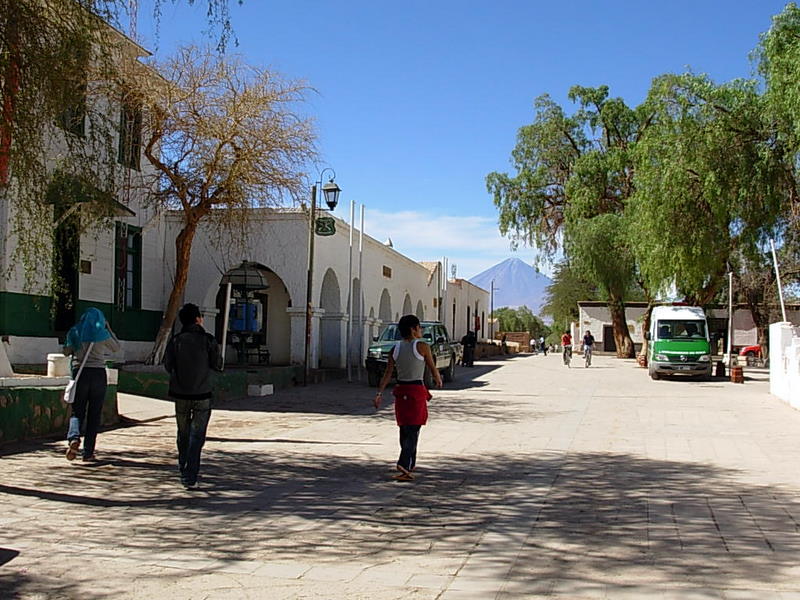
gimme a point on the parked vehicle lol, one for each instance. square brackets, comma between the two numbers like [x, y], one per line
[679, 342]
[446, 353]
[751, 351]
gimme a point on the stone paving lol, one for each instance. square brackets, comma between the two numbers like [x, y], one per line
[535, 481]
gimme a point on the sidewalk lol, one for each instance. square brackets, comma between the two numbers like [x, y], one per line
[535, 481]
[142, 409]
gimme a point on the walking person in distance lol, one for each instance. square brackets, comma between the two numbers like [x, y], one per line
[190, 357]
[410, 356]
[91, 343]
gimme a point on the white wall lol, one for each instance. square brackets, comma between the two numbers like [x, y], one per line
[784, 362]
[461, 294]
[594, 318]
[278, 239]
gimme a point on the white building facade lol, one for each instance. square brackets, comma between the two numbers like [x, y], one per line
[385, 284]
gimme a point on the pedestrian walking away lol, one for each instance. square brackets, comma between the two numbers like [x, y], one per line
[410, 356]
[542, 345]
[190, 357]
[566, 345]
[588, 347]
[91, 343]
[469, 341]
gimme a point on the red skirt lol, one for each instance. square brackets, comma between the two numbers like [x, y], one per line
[411, 403]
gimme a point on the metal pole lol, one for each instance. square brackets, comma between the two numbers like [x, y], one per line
[491, 312]
[352, 299]
[227, 314]
[730, 319]
[309, 280]
[360, 294]
[778, 279]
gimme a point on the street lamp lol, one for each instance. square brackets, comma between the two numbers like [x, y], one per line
[331, 192]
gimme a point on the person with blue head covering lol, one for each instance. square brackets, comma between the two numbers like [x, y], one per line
[90, 342]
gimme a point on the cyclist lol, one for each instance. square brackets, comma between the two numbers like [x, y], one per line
[588, 346]
[566, 345]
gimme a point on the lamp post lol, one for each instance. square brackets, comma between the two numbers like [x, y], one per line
[491, 310]
[331, 192]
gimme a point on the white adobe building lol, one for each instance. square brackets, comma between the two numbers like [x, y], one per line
[274, 244]
[101, 267]
[595, 317]
[126, 270]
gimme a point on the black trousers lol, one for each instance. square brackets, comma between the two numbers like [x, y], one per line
[87, 410]
[409, 436]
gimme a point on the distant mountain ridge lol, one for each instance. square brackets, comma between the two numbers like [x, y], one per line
[516, 284]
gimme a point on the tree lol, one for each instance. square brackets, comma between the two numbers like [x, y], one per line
[778, 56]
[223, 137]
[520, 319]
[708, 184]
[574, 177]
[562, 296]
[55, 59]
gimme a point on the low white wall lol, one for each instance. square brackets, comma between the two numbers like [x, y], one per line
[784, 361]
[30, 350]
[34, 350]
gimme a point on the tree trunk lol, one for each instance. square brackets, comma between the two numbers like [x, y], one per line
[183, 253]
[648, 317]
[622, 337]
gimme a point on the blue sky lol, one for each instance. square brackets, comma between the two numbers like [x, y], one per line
[417, 101]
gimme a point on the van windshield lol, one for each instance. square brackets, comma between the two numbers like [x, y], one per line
[680, 329]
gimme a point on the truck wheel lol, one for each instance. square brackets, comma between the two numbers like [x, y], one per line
[654, 375]
[449, 374]
[373, 379]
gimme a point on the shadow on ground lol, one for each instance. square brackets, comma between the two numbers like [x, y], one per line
[533, 519]
[343, 398]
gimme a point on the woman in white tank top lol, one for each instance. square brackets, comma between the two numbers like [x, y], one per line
[410, 357]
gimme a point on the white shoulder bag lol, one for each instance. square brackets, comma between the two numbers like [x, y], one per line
[72, 386]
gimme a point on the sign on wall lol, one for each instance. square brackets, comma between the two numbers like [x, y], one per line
[325, 226]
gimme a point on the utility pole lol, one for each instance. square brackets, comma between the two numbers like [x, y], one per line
[491, 311]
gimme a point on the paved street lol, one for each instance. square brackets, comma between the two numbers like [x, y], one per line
[535, 481]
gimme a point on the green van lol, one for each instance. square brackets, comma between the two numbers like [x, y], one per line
[679, 342]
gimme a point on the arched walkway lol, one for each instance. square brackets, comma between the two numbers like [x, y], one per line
[407, 308]
[385, 307]
[258, 325]
[330, 301]
[357, 342]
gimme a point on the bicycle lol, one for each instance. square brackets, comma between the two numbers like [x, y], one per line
[567, 354]
[587, 356]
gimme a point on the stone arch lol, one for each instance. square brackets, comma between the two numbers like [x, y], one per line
[420, 311]
[385, 307]
[271, 335]
[357, 344]
[407, 308]
[330, 332]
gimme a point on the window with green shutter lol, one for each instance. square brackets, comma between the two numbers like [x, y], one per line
[128, 267]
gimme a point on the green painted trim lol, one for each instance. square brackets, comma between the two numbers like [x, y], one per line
[226, 385]
[27, 413]
[28, 315]
[155, 384]
[25, 315]
[131, 325]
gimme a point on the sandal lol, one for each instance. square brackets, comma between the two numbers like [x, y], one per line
[403, 477]
[404, 473]
[72, 449]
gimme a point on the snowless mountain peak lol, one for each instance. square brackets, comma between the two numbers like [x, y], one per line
[516, 284]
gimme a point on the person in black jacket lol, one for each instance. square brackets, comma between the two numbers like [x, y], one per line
[189, 359]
